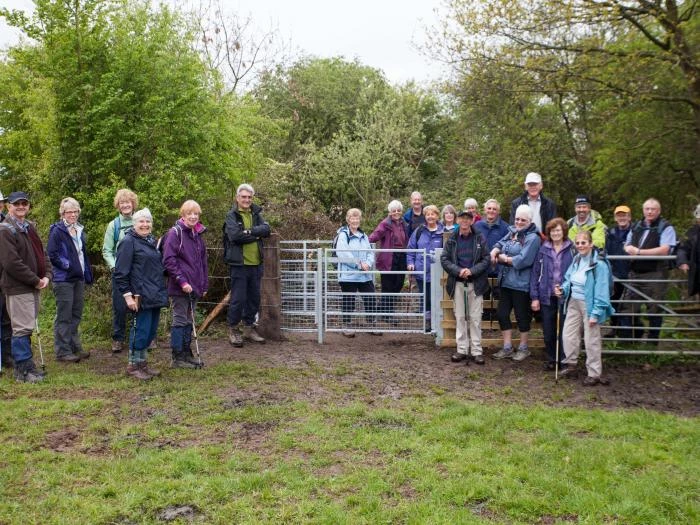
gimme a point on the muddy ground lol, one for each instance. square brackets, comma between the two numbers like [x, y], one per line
[399, 365]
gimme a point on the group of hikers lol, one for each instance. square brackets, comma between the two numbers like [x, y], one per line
[542, 263]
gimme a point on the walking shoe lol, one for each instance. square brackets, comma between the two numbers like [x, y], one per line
[153, 372]
[117, 347]
[31, 367]
[568, 371]
[82, 354]
[234, 337]
[193, 360]
[504, 353]
[68, 358]
[26, 372]
[181, 361]
[521, 354]
[458, 356]
[374, 332]
[135, 371]
[250, 334]
[479, 359]
[591, 381]
[348, 333]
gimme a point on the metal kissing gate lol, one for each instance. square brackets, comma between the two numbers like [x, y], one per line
[312, 300]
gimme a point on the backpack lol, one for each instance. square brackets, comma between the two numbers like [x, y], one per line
[117, 230]
[160, 245]
[334, 245]
[602, 258]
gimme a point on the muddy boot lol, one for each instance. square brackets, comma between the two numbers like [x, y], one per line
[187, 348]
[26, 372]
[153, 372]
[250, 334]
[117, 347]
[135, 371]
[180, 361]
[234, 336]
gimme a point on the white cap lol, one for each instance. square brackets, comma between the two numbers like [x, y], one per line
[533, 177]
[697, 211]
[143, 213]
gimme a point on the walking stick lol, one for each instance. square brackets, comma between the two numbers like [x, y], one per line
[558, 335]
[194, 333]
[41, 350]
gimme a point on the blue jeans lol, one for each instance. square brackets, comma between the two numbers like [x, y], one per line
[245, 294]
[118, 314]
[142, 332]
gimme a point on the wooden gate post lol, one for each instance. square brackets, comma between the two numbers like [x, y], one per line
[270, 323]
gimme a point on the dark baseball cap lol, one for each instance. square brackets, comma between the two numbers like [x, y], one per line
[582, 199]
[465, 213]
[17, 196]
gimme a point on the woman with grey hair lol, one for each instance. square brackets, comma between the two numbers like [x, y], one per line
[391, 234]
[448, 216]
[516, 253]
[71, 272]
[471, 205]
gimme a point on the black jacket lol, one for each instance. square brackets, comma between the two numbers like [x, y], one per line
[479, 269]
[235, 235]
[64, 256]
[689, 253]
[548, 210]
[140, 271]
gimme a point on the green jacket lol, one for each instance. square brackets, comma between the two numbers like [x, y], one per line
[109, 247]
[594, 224]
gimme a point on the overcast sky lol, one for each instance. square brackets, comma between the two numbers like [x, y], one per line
[380, 33]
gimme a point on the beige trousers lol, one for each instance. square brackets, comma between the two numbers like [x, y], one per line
[23, 310]
[468, 326]
[576, 319]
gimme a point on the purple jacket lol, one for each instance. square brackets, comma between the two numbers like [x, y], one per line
[387, 239]
[542, 275]
[185, 259]
[422, 238]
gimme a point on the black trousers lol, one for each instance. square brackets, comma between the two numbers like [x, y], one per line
[349, 289]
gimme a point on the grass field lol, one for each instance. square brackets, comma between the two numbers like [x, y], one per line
[240, 443]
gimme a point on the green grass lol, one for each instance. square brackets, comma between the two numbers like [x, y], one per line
[244, 445]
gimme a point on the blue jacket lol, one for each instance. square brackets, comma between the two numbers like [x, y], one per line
[541, 278]
[353, 249]
[424, 239]
[522, 246]
[596, 289]
[140, 271]
[492, 233]
[615, 245]
[64, 256]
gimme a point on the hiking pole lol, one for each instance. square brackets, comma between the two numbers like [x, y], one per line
[41, 350]
[194, 332]
[558, 336]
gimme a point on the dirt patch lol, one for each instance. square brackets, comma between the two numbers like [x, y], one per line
[397, 366]
[62, 440]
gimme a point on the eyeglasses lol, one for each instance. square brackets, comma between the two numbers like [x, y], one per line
[519, 219]
[581, 243]
[20, 203]
[245, 196]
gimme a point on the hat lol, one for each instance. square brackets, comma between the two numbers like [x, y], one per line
[143, 213]
[533, 177]
[582, 199]
[697, 211]
[465, 213]
[622, 209]
[17, 196]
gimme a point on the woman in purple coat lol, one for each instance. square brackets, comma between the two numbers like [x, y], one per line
[185, 260]
[391, 234]
[554, 258]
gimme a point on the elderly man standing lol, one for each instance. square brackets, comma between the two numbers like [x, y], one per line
[5, 326]
[587, 219]
[25, 270]
[652, 236]
[414, 216]
[244, 230]
[466, 261]
[543, 209]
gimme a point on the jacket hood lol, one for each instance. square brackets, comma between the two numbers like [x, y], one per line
[199, 228]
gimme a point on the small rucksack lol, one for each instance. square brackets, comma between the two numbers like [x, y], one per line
[334, 245]
[160, 245]
[602, 258]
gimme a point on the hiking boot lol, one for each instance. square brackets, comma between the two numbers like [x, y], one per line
[193, 360]
[521, 354]
[548, 366]
[234, 337]
[504, 353]
[591, 381]
[348, 333]
[570, 372]
[26, 372]
[135, 371]
[153, 372]
[458, 357]
[117, 347]
[82, 354]
[479, 359]
[68, 358]
[181, 361]
[250, 334]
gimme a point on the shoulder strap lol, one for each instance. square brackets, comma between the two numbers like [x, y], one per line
[10, 227]
[117, 229]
